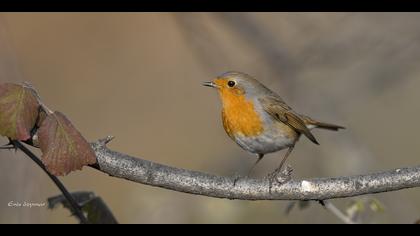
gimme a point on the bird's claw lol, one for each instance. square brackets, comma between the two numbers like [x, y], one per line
[280, 176]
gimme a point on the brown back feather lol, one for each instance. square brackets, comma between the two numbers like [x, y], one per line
[280, 111]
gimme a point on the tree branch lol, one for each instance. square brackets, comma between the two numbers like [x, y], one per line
[145, 172]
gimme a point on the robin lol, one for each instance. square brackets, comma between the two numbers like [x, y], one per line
[258, 119]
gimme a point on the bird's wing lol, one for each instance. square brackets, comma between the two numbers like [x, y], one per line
[280, 111]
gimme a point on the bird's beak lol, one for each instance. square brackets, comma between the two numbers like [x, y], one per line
[210, 84]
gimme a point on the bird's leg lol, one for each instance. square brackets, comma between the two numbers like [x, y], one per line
[260, 157]
[284, 159]
[282, 176]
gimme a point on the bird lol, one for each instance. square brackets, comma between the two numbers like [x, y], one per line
[259, 120]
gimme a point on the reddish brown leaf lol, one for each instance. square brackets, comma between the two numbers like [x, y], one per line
[63, 148]
[18, 111]
[41, 117]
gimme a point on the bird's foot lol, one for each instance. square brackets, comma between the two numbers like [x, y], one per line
[285, 175]
[280, 176]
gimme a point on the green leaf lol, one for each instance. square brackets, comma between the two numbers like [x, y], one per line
[63, 148]
[375, 205]
[355, 208]
[18, 111]
[98, 212]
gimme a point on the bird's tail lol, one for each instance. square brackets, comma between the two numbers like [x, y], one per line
[328, 126]
[317, 124]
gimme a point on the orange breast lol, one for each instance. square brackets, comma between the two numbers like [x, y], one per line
[239, 115]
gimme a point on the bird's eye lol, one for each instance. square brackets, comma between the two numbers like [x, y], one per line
[231, 83]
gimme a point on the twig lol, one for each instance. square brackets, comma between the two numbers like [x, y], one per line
[142, 171]
[73, 204]
[340, 215]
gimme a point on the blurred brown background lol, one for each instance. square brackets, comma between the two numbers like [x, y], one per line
[137, 76]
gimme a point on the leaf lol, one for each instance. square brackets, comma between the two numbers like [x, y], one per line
[95, 208]
[289, 207]
[302, 205]
[375, 205]
[355, 208]
[63, 148]
[41, 117]
[18, 111]
[98, 212]
[34, 141]
[80, 197]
